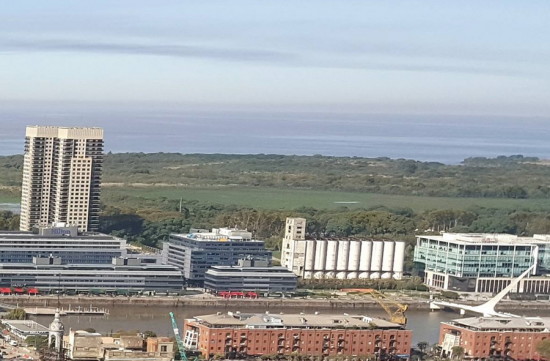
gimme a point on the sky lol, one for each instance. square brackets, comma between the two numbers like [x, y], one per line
[398, 57]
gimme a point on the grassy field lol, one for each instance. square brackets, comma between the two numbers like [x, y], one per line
[270, 198]
[9, 197]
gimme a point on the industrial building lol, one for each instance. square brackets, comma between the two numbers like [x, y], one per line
[479, 262]
[48, 274]
[245, 334]
[194, 253]
[61, 177]
[250, 275]
[487, 338]
[345, 258]
[61, 242]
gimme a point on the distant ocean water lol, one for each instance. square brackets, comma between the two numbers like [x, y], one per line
[446, 139]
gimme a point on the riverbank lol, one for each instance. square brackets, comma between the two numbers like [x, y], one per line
[208, 301]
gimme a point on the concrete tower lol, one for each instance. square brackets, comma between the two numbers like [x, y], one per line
[55, 334]
[294, 245]
[61, 177]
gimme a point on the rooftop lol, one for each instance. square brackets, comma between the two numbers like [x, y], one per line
[219, 235]
[489, 238]
[317, 320]
[16, 235]
[526, 324]
[25, 326]
[278, 271]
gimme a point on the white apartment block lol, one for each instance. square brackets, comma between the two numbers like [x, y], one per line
[346, 258]
[61, 177]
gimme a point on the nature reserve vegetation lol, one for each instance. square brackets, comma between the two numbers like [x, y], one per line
[148, 196]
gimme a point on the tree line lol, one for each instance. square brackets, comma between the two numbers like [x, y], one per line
[150, 226]
[515, 177]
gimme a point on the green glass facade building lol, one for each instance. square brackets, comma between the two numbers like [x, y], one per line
[482, 262]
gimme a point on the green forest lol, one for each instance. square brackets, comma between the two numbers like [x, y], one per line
[147, 196]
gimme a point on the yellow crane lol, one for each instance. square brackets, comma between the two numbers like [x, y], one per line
[394, 309]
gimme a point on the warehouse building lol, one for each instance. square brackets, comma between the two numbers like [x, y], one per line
[246, 334]
[479, 262]
[194, 253]
[489, 338]
[250, 275]
[343, 258]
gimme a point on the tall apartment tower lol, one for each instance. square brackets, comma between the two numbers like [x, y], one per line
[61, 177]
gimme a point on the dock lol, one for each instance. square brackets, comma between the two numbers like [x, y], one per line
[79, 310]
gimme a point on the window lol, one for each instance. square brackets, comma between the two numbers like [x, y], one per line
[163, 348]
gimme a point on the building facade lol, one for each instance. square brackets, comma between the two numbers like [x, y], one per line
[61, 177]
[250, 275]
[484, 338]
[236, 334]
[64, 243]
[48, 274]
[92, 346]
[345, 258]
[194, 253]
[483, 262]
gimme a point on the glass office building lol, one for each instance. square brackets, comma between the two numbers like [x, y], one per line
[480, 262]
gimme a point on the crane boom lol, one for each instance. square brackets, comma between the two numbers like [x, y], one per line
[179, 341]
[394, 309]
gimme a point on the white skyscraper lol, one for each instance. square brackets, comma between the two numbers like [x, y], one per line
[61, 177]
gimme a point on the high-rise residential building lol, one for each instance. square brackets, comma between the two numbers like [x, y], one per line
[61, 177]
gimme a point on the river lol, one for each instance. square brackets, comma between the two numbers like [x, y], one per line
[425, 324]
[442, 138]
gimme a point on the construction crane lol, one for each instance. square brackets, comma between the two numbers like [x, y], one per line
[394, 309]
[179, 341]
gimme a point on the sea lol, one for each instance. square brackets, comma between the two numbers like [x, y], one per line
[447, 139]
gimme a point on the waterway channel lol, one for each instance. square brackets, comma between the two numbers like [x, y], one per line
[425, 324]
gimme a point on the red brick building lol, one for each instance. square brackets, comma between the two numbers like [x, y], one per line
[310, 334]
[484, 337]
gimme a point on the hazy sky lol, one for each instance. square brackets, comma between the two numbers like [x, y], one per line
[454, 57]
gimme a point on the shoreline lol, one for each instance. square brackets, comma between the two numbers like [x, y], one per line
[267, 303]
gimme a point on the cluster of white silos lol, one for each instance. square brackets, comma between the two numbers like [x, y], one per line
[349, 259]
